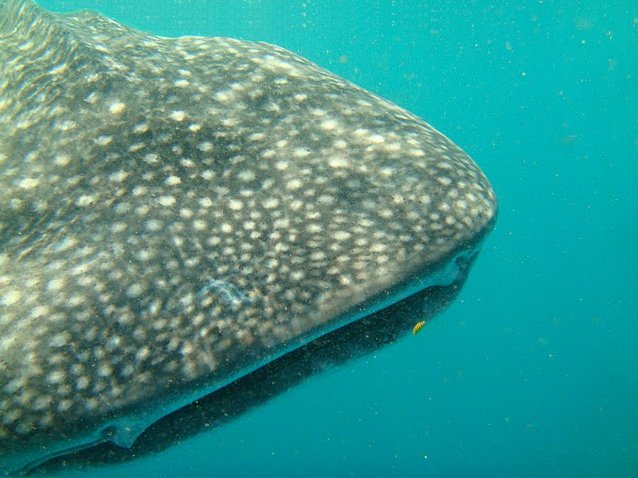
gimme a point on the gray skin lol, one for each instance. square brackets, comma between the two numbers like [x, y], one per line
[176, 214]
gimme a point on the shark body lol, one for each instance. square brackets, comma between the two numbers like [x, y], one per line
[179, 216]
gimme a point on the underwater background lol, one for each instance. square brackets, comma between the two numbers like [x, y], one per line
[533, 371]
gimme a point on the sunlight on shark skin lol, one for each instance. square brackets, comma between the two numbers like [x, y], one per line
[177, 214]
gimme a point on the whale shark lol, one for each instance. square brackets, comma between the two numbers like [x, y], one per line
[189, 226]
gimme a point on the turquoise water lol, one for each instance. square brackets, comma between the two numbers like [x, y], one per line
[532, 372]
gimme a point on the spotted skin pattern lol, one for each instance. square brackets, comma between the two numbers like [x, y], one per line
[176, 212]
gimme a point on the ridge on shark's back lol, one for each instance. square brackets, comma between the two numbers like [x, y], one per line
[193, 217]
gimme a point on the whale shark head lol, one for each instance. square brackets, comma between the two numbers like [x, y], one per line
[178, 216]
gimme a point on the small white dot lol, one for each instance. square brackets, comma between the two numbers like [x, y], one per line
[257, 137]
[60, 339]
[270, 203]
[153, 225]
[166, 200]
[62, 159]
[82, 383]
[208, 174]
[294, 184]
[297, 275]
[55, 284]
[140, 128]
[28, 183]
[338, 162]
[318, 256]
[57, 376]
[246, 175]
[134, 290]
[84, 200]
[142, 353]
[378, 247]
[328, 125]
[341, 235]
[178, 115]
[205, 146]
[206, 202]
[173, 180]
[301, 152]
[281, 165]
[136, 147]
[224, 96]
[235, 205]
[118, 227]
[104, 370]
[117, 108]
[139, 190]
[118, 176]
[269, 154]
[103, 140]
[444, 180]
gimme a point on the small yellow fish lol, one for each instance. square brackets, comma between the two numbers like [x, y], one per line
[417, 327]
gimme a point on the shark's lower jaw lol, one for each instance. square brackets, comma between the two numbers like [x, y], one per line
[358, 338]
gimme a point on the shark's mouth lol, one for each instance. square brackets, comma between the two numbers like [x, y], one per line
[359, 337]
